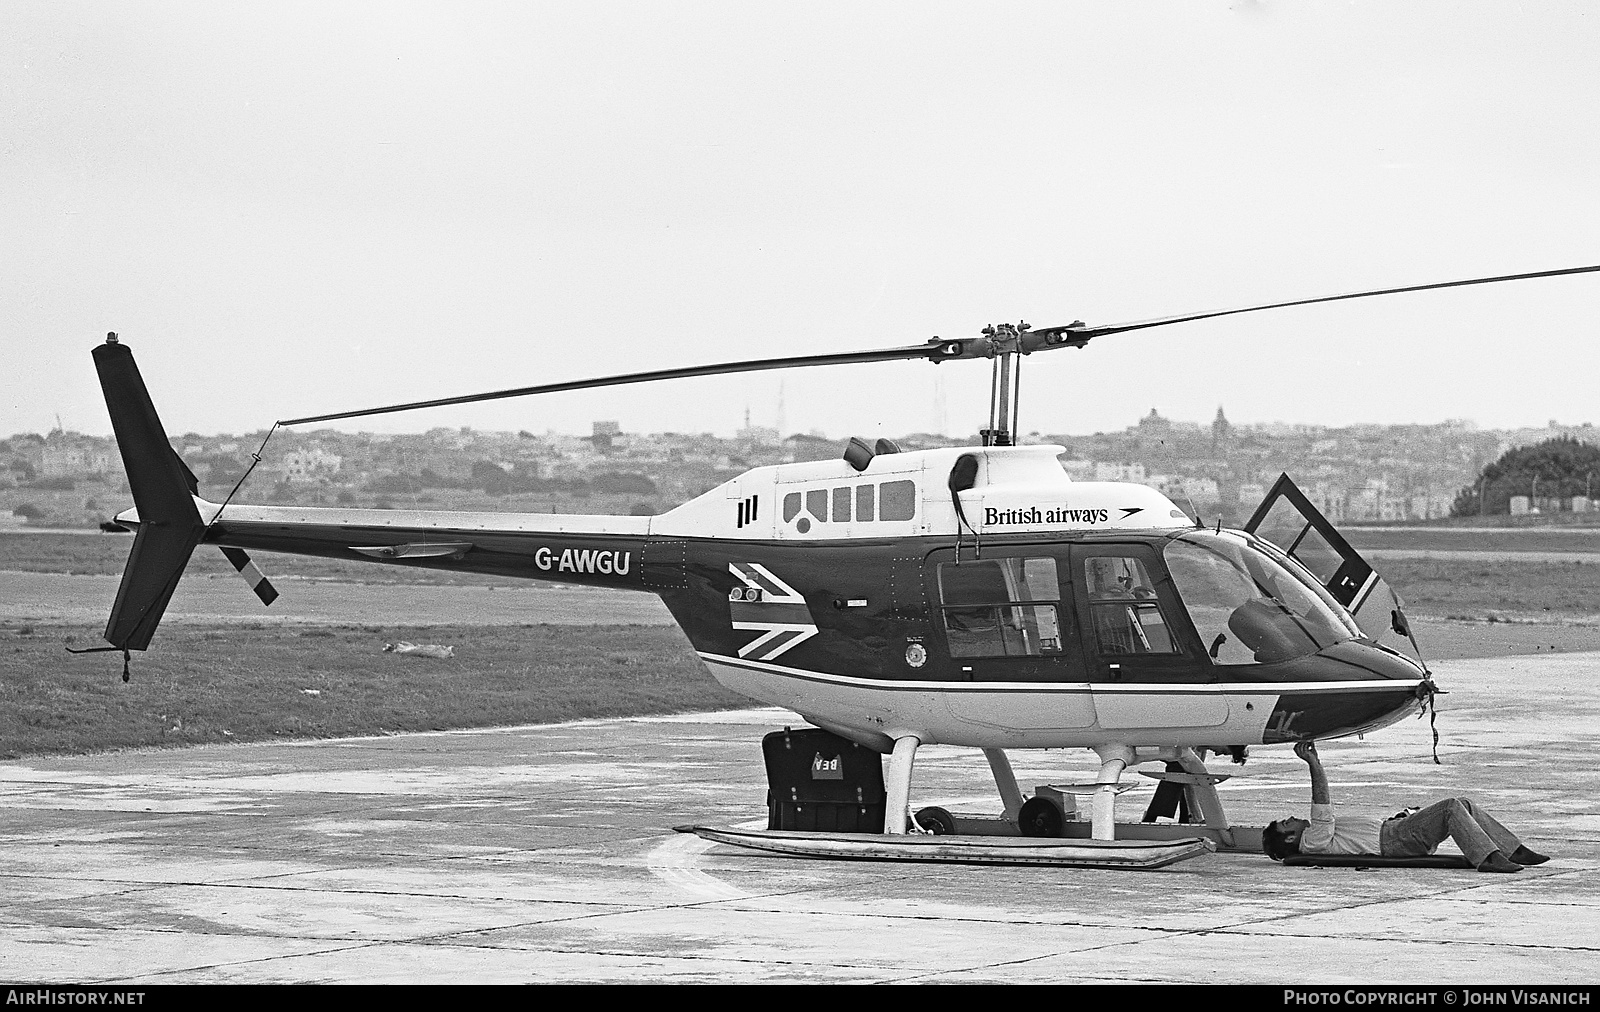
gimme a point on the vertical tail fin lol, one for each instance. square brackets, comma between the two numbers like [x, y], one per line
[163, 491]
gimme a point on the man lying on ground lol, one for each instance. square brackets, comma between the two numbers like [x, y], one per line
[1412, 833]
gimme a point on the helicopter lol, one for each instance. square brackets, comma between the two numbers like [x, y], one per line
[965, 596]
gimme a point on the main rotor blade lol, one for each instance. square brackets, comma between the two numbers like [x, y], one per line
[1023, 339]
[1080, 332]
[933, 350]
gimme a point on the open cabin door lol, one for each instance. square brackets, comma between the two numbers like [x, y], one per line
[1287, 519]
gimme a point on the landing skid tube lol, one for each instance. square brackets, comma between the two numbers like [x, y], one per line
[1240, 839]
[1129, 854]
[1043, 829]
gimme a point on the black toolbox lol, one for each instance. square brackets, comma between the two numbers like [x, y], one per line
[820, 782]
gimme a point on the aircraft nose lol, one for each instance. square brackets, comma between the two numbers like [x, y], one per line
[1350, 688]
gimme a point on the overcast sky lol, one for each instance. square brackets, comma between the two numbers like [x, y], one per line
[294, 208]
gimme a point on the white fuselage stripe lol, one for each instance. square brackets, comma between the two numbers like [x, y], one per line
[1148, 688]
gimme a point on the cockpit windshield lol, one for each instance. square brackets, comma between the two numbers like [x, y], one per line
[1251, 605]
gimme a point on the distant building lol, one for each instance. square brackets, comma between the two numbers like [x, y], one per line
[756, 435]
[1221, 432]
[1079, 470]
[1108, 471]
[1332, 501]
[1201, 488]
[1429, 506]
[67, 455]
[310, 464]
[1153, 433]
[605, 434]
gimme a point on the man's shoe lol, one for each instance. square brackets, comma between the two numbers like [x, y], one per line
[1522, 855]
[1497, 861]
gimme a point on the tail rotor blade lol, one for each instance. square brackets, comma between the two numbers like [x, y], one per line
[253, 576]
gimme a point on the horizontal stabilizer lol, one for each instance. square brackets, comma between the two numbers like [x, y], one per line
[169, 524]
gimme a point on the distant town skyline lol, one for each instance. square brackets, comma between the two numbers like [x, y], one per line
[754, 421]
[1360, 472]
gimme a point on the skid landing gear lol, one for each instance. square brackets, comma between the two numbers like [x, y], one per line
[823, 793]
[1187, 790]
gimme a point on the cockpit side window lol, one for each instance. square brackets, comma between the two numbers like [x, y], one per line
[1001, 607]
[1123, 609]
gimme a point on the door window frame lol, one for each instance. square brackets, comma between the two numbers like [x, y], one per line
[1186, 661]
[1355, 584]
[1063, 667]
[1354, 573]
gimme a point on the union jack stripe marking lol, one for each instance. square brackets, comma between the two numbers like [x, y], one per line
[779, 613]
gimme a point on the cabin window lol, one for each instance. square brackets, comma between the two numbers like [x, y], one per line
[841, 505]
[864, 502]
[1123, 608]
[897, 500]
[817, 504]
[892, 500]
[1001, 607]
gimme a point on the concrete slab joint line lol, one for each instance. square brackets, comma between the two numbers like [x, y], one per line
[459, 856]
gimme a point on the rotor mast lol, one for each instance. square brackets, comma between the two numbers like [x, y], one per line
[1005, 347]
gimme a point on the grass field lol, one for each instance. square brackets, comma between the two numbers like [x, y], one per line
[1453, 588]
[1447, 539]
[242, 684]
[104, 554]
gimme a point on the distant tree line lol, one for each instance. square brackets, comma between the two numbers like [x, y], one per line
[1561, 467]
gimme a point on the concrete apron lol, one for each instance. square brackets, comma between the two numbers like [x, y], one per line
[546, 854]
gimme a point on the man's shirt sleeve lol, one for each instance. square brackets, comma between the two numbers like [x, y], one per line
[1319, 835]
